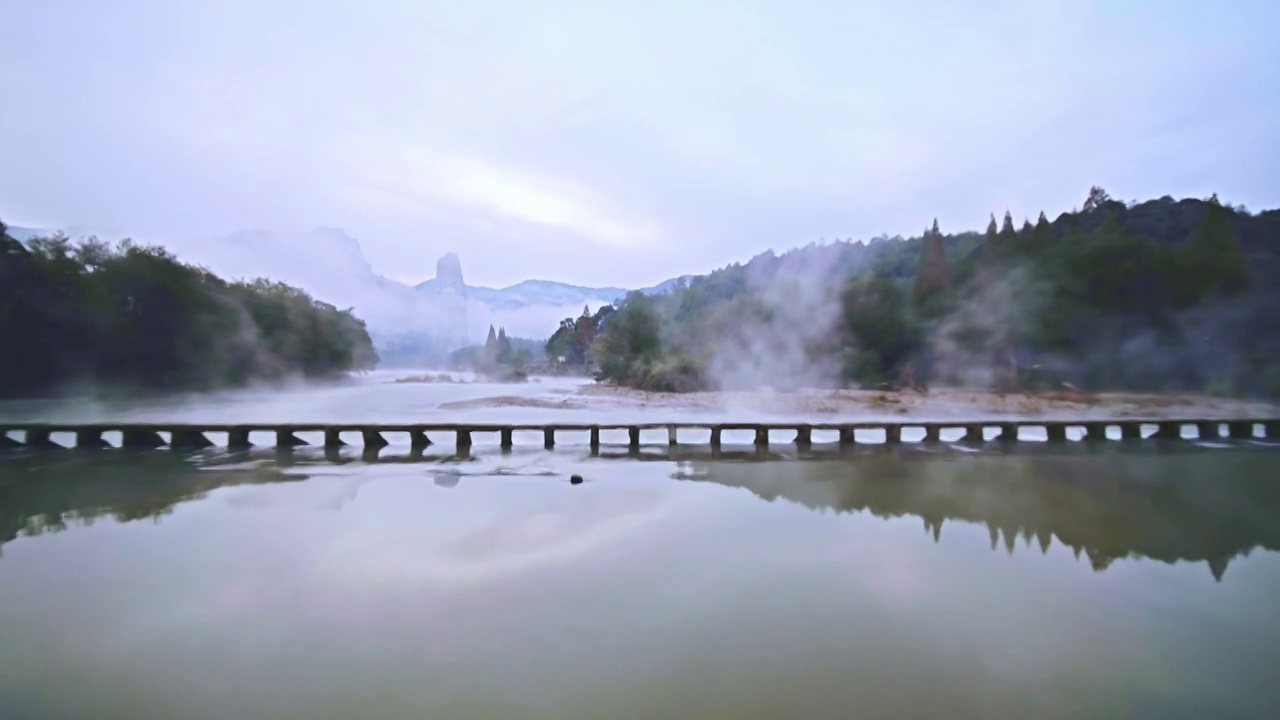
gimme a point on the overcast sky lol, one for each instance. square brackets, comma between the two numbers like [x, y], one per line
[607, 143]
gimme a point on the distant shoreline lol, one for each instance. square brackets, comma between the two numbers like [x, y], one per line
[942, 404]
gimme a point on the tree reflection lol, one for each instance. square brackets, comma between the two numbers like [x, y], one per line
[1165, 504]
[1169, 503]
[43, 494]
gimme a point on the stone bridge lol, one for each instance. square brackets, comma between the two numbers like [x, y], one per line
[38, 436]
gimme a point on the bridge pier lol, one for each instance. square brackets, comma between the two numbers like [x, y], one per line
[1272, 429]
[463, 445]
[762, 437]
[38, 439]
[892, 434]
[139, 439]
[1240, 430]
[595, 439]
[847, 436]
[633, 438]
[285, 439]
[1208, 431]
[1130, 430]
[673, 438]
[974, 433]
[1055, 432]
[333, 438]
[549, 438]
[238, 439]
[1168, 431]
[373, 439]
[1095, 431]
[715, 437]
[932, 433]
[1008, 433]
[90, 439]
[418, 440]
[188, 440]
[804, 436]
[506, 438]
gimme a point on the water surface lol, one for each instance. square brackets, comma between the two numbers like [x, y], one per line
[1123, 580]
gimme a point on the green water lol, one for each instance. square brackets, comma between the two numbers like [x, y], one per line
[950, 583]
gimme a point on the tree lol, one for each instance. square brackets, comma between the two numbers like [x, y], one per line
[134, 316]
[504, 347]
[933, 277]
[1006, 228]
[491, 347]
[988, 253]
[1097, 196]
[880, 334]
[632, 342]
[1214, 253]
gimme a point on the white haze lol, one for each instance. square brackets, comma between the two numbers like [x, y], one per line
[330, 265]
[785, 340]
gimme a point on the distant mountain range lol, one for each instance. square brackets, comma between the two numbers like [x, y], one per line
[428, 319]
[546, 292]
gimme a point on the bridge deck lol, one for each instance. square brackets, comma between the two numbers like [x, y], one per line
[196, 435]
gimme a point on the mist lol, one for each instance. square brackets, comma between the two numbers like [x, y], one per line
[784, 333]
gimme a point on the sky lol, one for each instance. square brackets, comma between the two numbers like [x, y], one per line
[621, 143]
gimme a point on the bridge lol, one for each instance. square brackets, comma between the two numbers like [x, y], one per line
[46, 436]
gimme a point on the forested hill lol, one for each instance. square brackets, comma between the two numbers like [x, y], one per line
[1162, 295]
[127, 316]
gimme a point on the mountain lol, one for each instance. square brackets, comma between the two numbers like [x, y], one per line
[548, 292]
[22, 234]
[533, 292]
[415, 324]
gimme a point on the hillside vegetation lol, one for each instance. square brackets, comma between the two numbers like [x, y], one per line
[128, 316]
[1165, 295]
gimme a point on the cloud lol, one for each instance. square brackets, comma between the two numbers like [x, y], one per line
[597, 133]
[487, 187]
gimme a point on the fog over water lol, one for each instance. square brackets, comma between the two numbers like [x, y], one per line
[1113, 580]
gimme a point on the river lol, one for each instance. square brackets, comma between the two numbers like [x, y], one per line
[1121, 580]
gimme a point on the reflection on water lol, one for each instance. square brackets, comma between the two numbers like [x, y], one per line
[1047, 581]
[1179, 504]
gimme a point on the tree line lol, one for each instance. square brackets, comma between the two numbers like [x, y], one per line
[1177, 295]
[501, 358]
[134, 316]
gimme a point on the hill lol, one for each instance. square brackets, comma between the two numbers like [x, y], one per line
[1162, 295]
[134, 317]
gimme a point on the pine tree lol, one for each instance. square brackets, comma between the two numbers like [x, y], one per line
[1042, 235]
[490, 354]
[1006, 228]
[988, 252]
[504, 346]
[1214, 254]
[1026, 227]
[933, 277]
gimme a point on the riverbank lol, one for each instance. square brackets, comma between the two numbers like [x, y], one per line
[936, 404]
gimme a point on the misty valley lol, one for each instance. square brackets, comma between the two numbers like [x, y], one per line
[200, 518]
